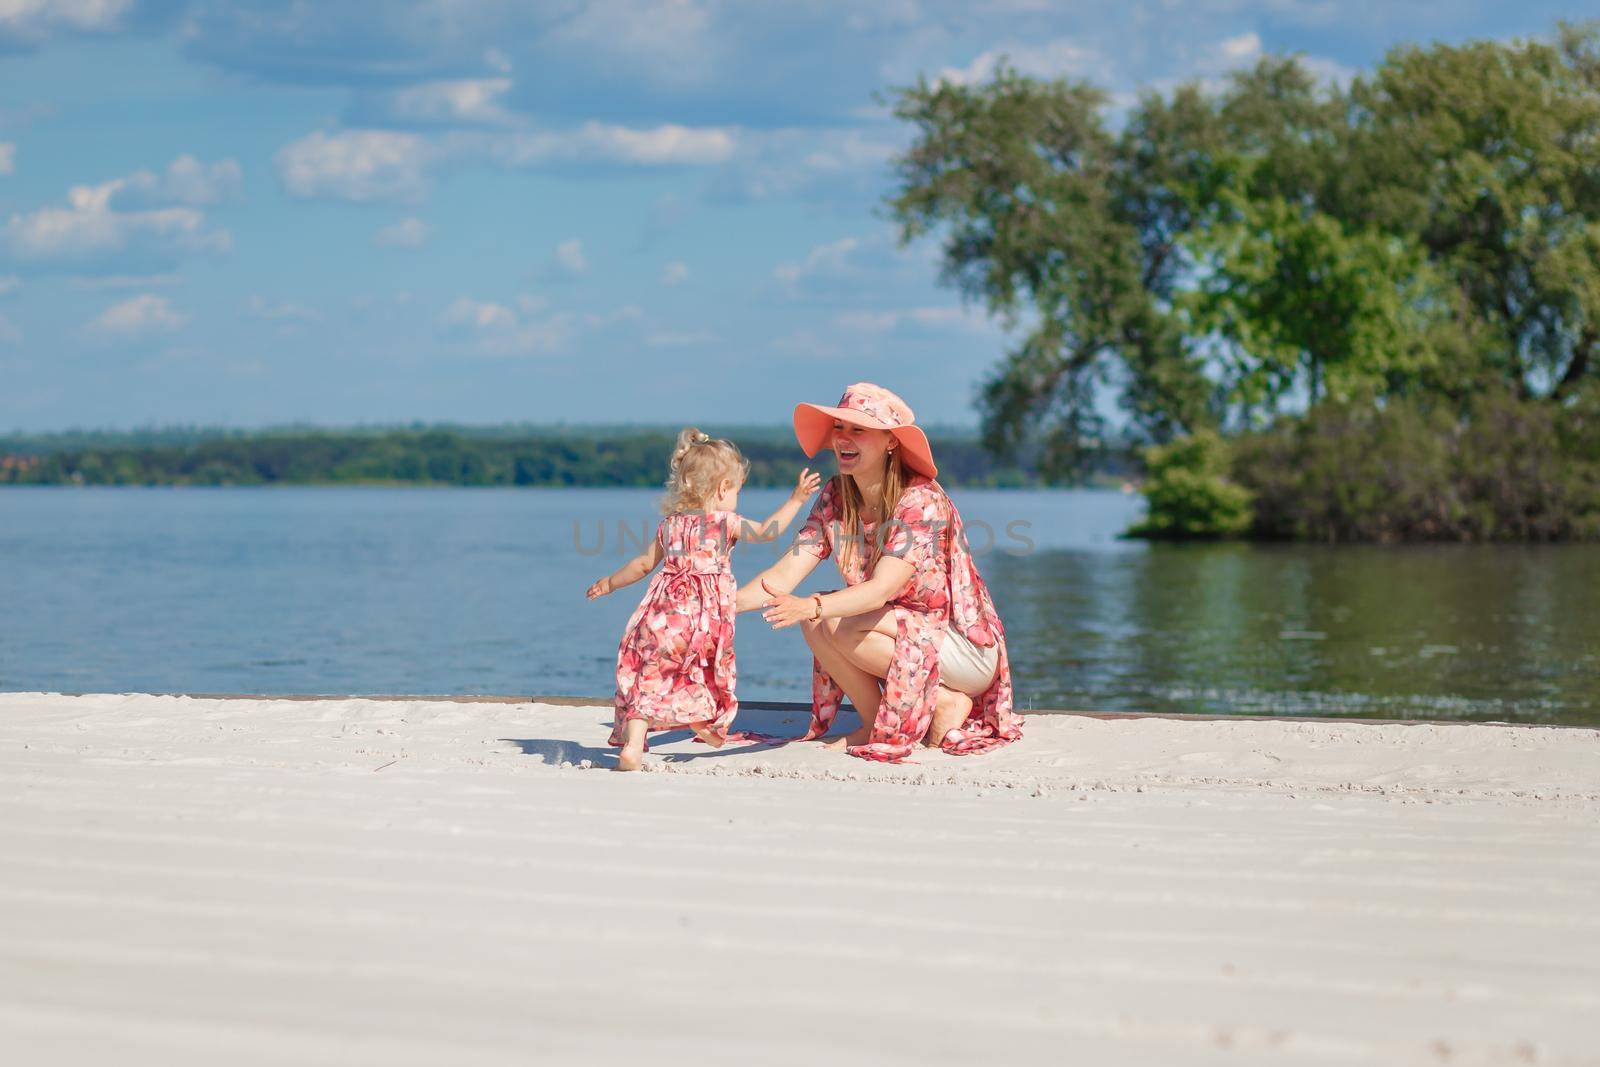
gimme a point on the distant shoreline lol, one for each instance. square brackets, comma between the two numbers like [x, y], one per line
[455, 457]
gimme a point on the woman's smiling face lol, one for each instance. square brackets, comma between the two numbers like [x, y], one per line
[858, 448]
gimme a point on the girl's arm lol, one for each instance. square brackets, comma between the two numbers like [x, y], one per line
[790, 570]
[889, 577]
[629, 572]
[779, 520]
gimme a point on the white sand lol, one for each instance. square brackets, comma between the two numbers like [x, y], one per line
[367, 882]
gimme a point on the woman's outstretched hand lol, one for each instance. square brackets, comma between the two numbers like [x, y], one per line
[805, 485]
[600, 588]
[782, 609]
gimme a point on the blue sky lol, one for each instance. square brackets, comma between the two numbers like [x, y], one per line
[268, 211]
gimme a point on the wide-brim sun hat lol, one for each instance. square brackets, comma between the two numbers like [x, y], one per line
[872, 406]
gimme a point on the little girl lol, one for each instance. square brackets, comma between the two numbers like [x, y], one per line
[675, 667]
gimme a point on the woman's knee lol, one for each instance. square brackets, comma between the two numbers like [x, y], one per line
[822, 629]
[816, 632]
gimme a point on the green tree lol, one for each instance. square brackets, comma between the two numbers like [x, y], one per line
[1189, 494]
[1433, 229]
[1488, 155]
[1300, 308]
[1023, 178]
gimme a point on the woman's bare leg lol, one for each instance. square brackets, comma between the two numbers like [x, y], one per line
[858, 685]
[633, 732]
[949, 712]
[867, 641]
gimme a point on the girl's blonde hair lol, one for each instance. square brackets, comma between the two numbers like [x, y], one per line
[699, 462]
[852, 534]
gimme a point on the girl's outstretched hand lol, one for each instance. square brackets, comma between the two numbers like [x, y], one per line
[806, 484]
[599, 589]
[783, 610]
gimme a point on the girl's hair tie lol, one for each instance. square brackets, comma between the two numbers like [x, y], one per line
[699, 462]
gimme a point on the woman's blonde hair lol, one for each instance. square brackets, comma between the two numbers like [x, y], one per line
[699, 462]
[852, 533]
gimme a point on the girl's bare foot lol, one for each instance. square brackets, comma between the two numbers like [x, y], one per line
[630, 759]
[949, 712]
[715, 740]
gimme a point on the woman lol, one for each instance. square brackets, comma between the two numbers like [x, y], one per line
[913, 639]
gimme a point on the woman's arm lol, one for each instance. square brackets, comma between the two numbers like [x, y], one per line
[790, 570]
[889, 577]
[779, 520]
[629, 572]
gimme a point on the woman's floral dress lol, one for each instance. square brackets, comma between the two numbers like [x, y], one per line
[675, 667]
[945, 590]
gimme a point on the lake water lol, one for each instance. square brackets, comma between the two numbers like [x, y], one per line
[360, 590]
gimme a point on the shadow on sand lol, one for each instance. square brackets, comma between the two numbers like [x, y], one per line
[781, 725]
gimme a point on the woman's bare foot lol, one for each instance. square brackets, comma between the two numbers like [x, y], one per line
[715, 740]
[949, 712]
[850, 740]
[632, 754]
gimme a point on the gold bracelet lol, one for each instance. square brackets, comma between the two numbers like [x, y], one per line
[818, 598]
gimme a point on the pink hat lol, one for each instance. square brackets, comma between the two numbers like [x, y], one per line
[873, 406]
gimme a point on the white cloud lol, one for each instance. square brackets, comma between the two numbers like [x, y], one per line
[32, 21]
[186, 181]
[792, 162]
[1239, 51]
[1048, 59]
[8, 157]
[828, 257]
[671, 39]
[467, 101]
[376, 164]
[142, 315]
[666, 145]
[528, 328]
[88, 230]
[849, 150]
[497, 60]
[498, 330]
[928, 318]
[675, 273]
[409, 232]
[569, 259]
[284, 311]
[143, 215]
[357, 165]
[9, 334]
[1329, 73]
[480, 315]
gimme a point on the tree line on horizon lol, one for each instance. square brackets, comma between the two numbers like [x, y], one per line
[1334, 312]
[458, 456]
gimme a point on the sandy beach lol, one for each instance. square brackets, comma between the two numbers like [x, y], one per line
[426, 882]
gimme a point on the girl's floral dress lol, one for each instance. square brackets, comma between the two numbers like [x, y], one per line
[945, 590]
[675, 667]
